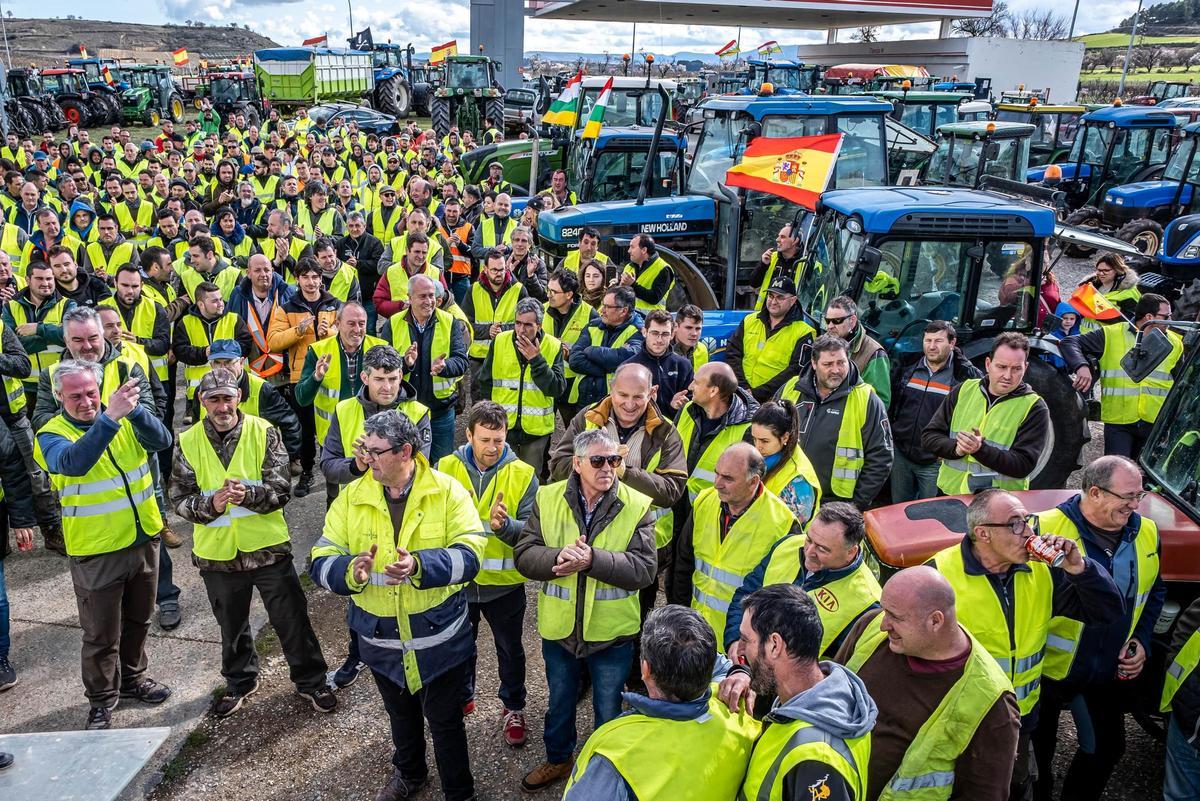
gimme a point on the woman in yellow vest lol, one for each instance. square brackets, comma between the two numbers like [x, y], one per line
[775, 433]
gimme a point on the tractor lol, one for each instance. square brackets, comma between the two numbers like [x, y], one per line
[234, 92]
[611, 166]
[80, 105]
[786, 76]
[471, 93]
[925, 112]
[1055, 128]
[152, 95]
[108, 93]
[1163, 90]
[970, 151]
[393, 89]
[31, 110]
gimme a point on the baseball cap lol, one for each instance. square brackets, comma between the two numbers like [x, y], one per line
[218, 382]
[387, 189]
[224, 349]
[782, 285]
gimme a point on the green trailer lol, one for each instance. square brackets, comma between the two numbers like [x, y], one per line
[303, 76]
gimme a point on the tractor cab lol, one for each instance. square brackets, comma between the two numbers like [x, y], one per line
[787, 76]
[388, 55]
[611, 166]
[634, 101]
[1055, 128]
[161, 93]
[925, 112]
[94, 74]
[845, 79]
[227, 89]
[1164, 90]
[470, 94]
[968, 151]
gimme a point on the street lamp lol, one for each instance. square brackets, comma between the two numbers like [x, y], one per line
[1129, 50]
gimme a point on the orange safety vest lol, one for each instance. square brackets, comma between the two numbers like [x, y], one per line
[268, 363]
[460, 258]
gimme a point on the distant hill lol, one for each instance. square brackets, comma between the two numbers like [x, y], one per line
[47, 42]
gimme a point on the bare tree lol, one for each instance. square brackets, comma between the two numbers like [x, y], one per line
[866, 33]
[998, 24]
[1043, 25]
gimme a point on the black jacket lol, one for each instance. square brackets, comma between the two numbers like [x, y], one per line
[368, 250]
[188, 353]
[420, 375]
[16, 510]
[669, 372]
[88, 292]
[916, 396]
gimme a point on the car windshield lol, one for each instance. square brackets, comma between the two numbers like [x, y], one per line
[635, 106]
[721, 144]
[1172, 456]
[468, 75]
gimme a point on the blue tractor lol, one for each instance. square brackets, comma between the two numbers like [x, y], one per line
[910, 255]
[1177, 269]
[612, 166]
[787, 76]
[393, 90]
[108, 95]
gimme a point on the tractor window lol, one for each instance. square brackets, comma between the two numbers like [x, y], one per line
[721, 144]
[829, 264]
[1182, 159]
[1172, 457]
[783, 127]
[1068, 127]
[468, 75]
[1092, 146]
[764, 216]
[1138, 147]
[625, 107]
[862, 160]
[919, 117]
[800, 80]
[619, 175]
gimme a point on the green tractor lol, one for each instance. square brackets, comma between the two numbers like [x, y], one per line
[152, 95]
[469, 94]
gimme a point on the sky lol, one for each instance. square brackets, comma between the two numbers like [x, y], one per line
[430, 22]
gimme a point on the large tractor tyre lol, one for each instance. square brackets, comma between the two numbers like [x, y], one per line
[253, 118]
[422, 96]
[36, 116]
[495, 110]
[112, 107]
[175, 108]
[76, 112]
[1086, 217]
[54, 113]
[1144, 234]
[1068, 426]
[440, 115]
[21, 121]
[1188, 305]
[393, 97]
[151, 118]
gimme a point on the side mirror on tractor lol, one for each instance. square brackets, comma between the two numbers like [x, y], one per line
[991, 151]
[1151, 349]
[869, 260]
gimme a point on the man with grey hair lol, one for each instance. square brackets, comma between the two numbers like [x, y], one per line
[590, 541]
[677, 719]
[1092, 659]
[98, 457]
[362, 250]
[403, 543]
[523, 372]
[841, 320]
[733, 526]
[603, 344]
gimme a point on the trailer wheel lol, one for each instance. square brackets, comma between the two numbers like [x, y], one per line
[1068, 426]
[1086, 217]
[1145, 235]
[439, 114]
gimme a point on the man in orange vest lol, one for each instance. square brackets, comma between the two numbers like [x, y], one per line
[457, 232]
[253, 300]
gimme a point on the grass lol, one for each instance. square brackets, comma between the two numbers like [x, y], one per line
[181, 765]
[1135, 78]
[1095, 40]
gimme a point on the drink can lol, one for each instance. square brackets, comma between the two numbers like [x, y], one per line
[1045, 551]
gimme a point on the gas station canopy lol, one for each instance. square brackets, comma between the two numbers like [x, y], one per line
[804, 14]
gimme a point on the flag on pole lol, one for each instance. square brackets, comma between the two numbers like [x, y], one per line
[180, 56]
[1093, 305]
[796, 169]
[106, 74]
[767, 48]
[439, 53]
[730, 49]
[562, 110]
[83, 52]
[596, 118]
[316, 40]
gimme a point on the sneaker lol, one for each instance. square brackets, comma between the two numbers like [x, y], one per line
[148, 691]
[8, 676]
[169, 618]
[399, 787]
[322, 698]
[99, 717]
[169, 537]
[52, 538]
[545, 775]
[6, 760]
[232, 701]
[469, 708]
[512, 723]
[346, 675]
[303, 484]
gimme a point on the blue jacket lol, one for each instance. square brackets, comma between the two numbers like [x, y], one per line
[80, 205]
[239, 299]
[595, 363]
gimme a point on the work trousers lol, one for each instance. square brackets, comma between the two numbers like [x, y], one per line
[45, 504]
[1181, 781]
[439, 701]
[1088, 773]
[308, 429]
[1126, 439]
[505, 617]
[115, 595]
[532, 451]
[229, 594]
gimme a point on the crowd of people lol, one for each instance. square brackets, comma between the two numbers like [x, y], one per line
[204, 324]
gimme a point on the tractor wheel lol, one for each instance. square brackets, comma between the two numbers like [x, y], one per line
[36, 117]
[111, 106]
[440, 113]
[394, 97]
[151, 118]
[175, 108]
[1188, 306]
[253, 118]
[21, 120]
[1086, 217]
[495, 110]
[76, 112]
[422, 96]
[1068, 428]
[54, 113]
[1145, 235]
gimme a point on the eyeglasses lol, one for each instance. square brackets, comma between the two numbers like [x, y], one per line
[610, 306]
[836, 320]
[1136, 497]
[614, 461]
[377, 452]
[1018, 525]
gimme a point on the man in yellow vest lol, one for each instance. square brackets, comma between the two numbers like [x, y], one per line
[590, 542]
[402, 542]
[647, 274]
[196, 330]
[874, 367]
[1181, 697]
[565, 318]
[498, 480]
[689, 324]
[258, 397]
[589, 248]
[1092, 660]
[603, 345]
[1007, 597]
[828, 563]
[491, 305]
[203, 264]
[110, 251]
[97, 456]
[339, 279]
[231, 480]
[990, 432]
[1128, 408]
[523, 372]
[733, 526]
[780, 643]
[678, 740]
[765, 350]
[495, 232]
[146, 322]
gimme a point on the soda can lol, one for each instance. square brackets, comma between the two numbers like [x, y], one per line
[1043, 550]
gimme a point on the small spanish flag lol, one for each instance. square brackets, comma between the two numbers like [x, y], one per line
[439, 53]
[1093, 305]
[596, 118]
[180, 56]
[106, 74]
[83, 52]
[796, 169]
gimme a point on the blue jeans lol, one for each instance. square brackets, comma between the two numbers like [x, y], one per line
[372, 315]
[911, 481]
[4, 641]
[609, 668]
[1182, 779]
[460, 285]
[167, 594]
[441, 426]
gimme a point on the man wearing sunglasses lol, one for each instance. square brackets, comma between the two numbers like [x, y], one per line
[1128, 408]
[590, 542]
[841, 320]
[1098, 659]
[1006, 599]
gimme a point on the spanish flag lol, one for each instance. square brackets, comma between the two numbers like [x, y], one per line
[180, 56]
[439, 53]
[83, 52]
[596, 118]
[796, 169]
[563, 110]
[1093, 305]
[730, 49]
[106, 74]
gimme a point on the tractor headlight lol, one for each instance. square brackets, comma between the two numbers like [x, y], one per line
[479, 93]
[1191, 252]
[1119, 201]
[460, 91]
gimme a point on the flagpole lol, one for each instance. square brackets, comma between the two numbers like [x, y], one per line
[633, 50]
[350, 8]
[737, 56]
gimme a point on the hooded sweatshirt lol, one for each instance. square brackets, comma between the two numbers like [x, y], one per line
[1061, 333]
[336, 466]
[85, 232]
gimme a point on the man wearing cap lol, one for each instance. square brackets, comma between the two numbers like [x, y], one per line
[765, 350]
[385, 219]
[234, 493]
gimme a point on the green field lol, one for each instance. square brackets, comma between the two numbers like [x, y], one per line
[1094, 40]
[1135, 78]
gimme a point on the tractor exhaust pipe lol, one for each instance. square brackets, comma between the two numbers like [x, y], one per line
[644, 186]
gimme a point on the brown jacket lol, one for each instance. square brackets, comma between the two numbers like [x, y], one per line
[284, 335]
[665, 484]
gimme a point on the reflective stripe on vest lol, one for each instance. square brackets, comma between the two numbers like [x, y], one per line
[528, 408]
[329, 391]
[14, 388]
[443, 388]
[499, 568]
[998, 424]
[43, 359]
[849, 456]
[1180, 668]
[488, 310]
